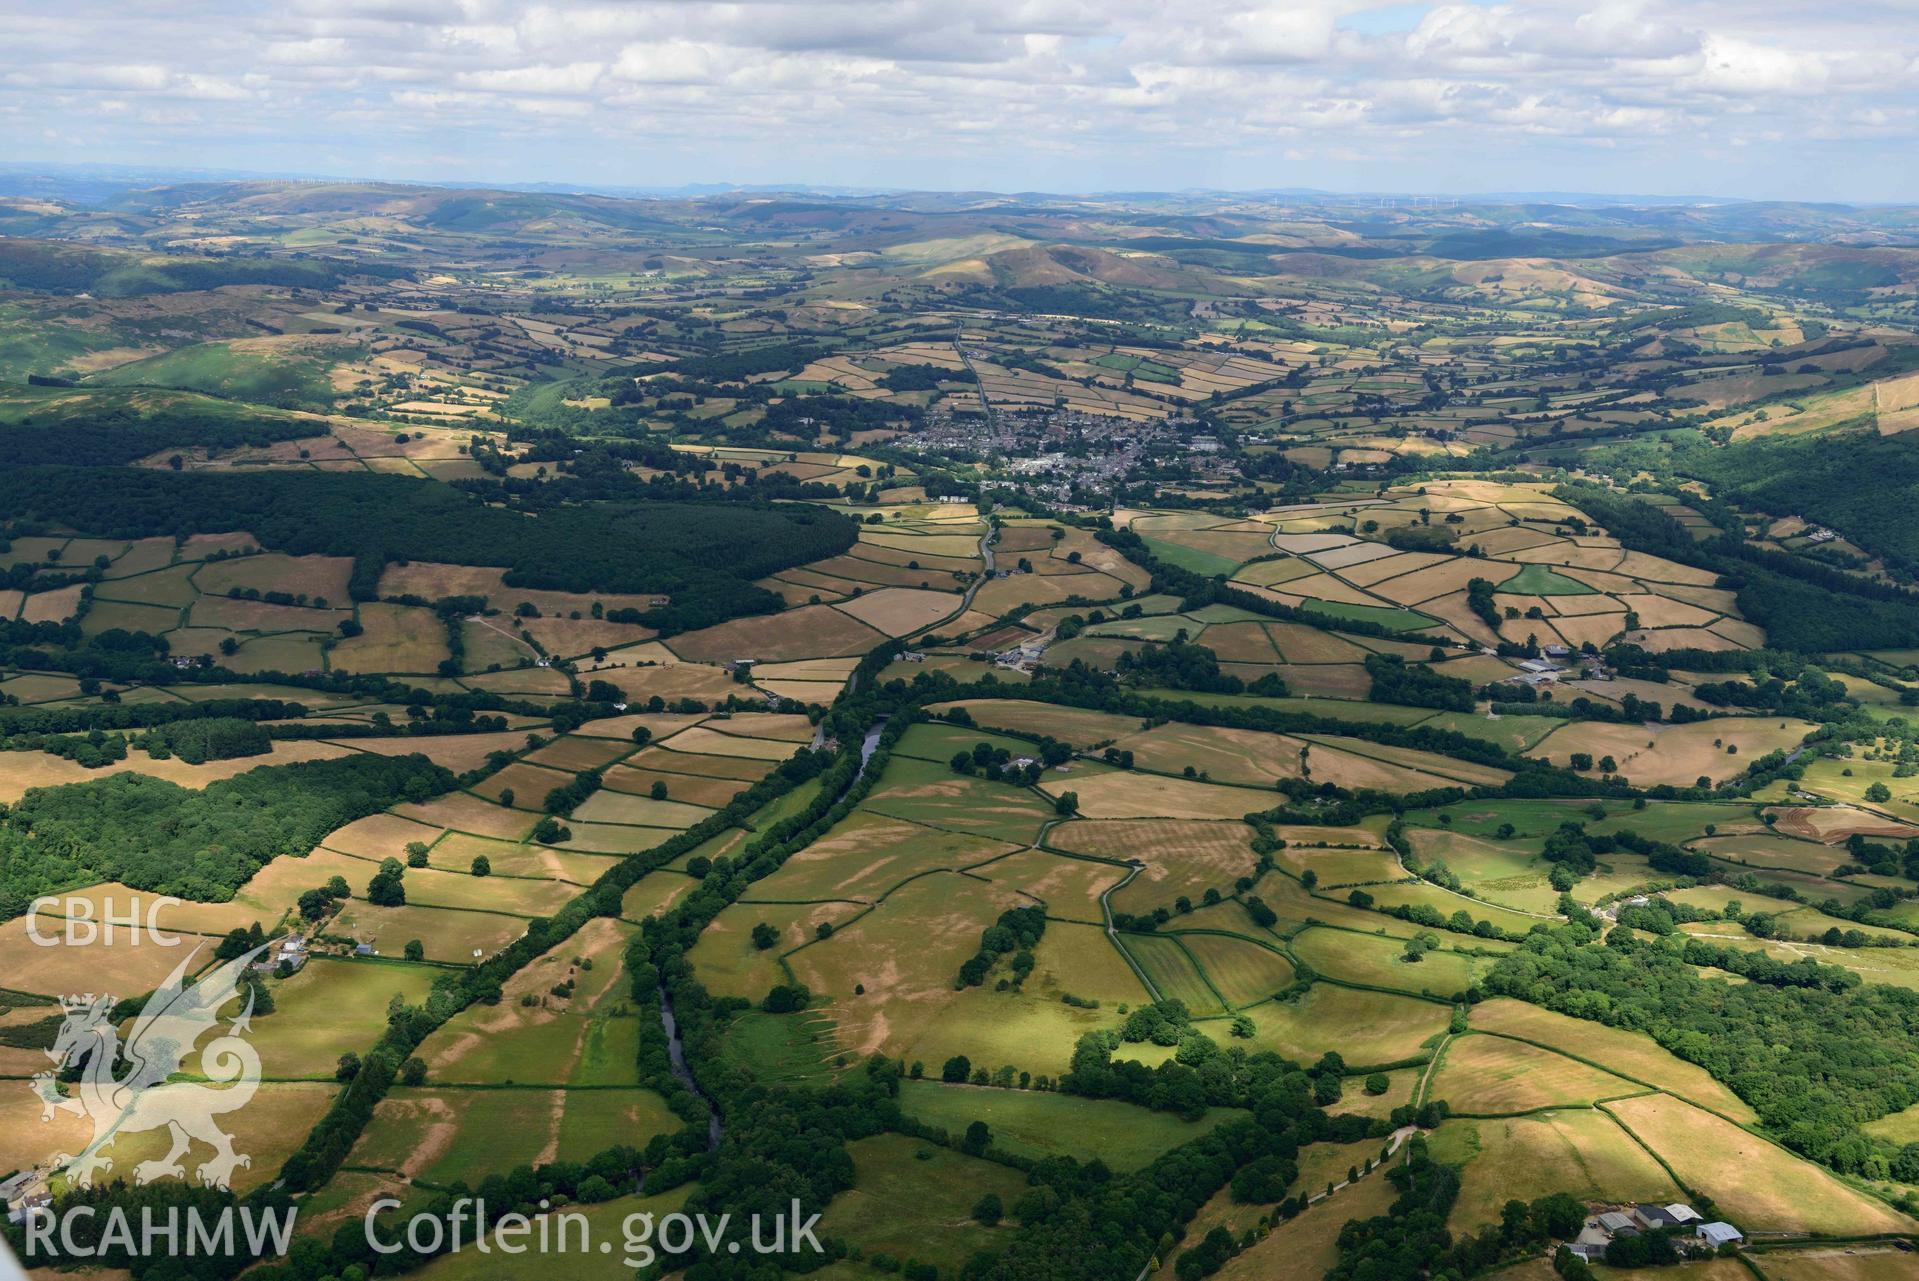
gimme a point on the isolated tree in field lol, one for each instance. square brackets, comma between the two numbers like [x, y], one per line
[416, 853]
[385, 889]
[658, 791]
[415, 950]
[765, 936]
[1068, 803]
[482, 865]
[978, 1136]
[1878, 793]
[956, 1070]
[989, 1210]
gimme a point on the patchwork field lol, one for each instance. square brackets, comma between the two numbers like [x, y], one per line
[1582, 1152]
[917, 1207]
[1632, 1055]
[444, 1135]
[1754, 1182]
[1411, 501]
[1492, 1076]
[1040, 1125]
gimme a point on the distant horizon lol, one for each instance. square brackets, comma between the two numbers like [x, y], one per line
[137, 176]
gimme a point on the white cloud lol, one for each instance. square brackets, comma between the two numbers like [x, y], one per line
[573, 78]
[669, 62]
[995, 93]
[1733, 66]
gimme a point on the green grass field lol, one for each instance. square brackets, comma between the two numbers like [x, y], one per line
[1380, 962]
[925, 792]
[441, 1134]
[1244, 972]
[1172, 970]
[1365, 1027]
[1584, 1153]
[329, 1007]
[1041, 1124]
[914, 1200]
[1192, 558]
[1537, 580]
[782, 1049]
[289, 379]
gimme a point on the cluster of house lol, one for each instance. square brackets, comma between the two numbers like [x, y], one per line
[292, 951]
[1551, 666]
[1024, 658]
[20, 1205]
[1602, 1229]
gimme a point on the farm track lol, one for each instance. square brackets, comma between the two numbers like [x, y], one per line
[1432, 1066]
[1112, 935]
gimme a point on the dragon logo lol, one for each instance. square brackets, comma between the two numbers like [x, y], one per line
[125, 1088]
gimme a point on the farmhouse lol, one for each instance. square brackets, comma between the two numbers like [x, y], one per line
[19, 1210]
[292, 952]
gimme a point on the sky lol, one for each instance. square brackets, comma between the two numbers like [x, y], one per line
[1771, 99]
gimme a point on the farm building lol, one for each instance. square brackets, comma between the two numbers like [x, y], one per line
[18, 1211]
[1665, 1216]
[1718, 1234]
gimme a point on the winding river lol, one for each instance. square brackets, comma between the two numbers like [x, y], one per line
[676, 1047]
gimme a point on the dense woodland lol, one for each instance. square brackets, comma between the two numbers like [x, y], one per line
[204, 844]
[1816, 1052]
[1819, 477]
[704, 555]
[108, 438]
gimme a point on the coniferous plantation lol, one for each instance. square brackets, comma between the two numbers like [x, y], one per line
[1140, 734]
[703, 554]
